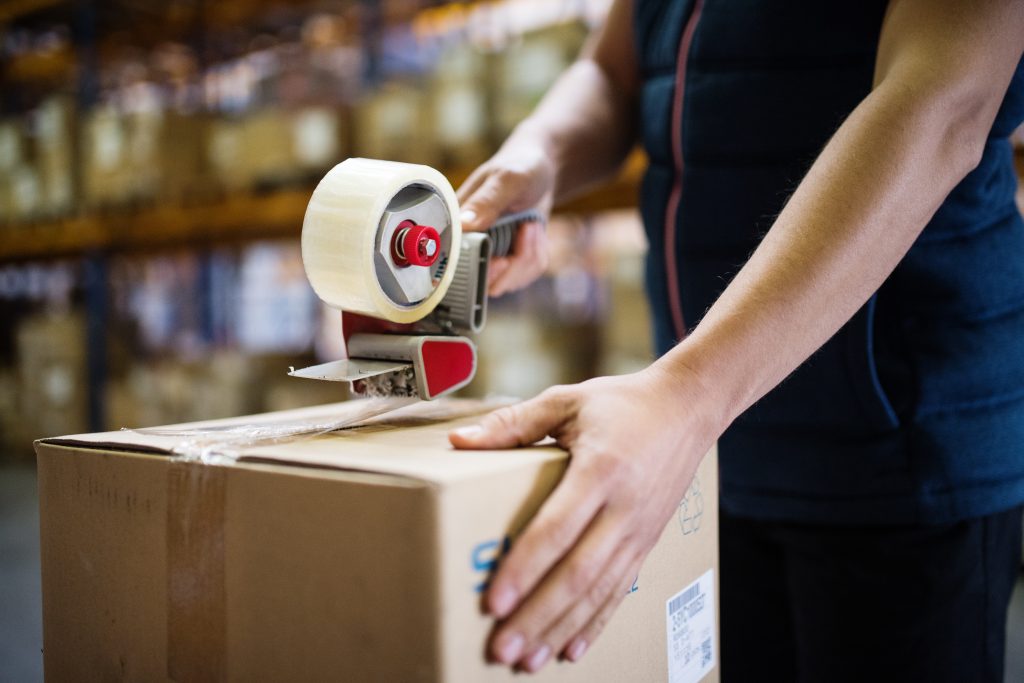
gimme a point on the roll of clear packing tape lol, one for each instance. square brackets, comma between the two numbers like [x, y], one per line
[350, 229]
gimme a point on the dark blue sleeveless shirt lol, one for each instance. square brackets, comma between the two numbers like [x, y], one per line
[914, 411]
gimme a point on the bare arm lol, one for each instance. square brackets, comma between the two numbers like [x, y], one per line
[578, 136]
[588, 119]
[942, 71]
[636, 440]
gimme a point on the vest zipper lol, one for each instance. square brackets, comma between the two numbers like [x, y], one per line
[672, 207]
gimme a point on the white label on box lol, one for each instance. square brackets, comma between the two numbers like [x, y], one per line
[690, 628]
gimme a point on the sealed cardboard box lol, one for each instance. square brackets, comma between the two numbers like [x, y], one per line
[222, 551]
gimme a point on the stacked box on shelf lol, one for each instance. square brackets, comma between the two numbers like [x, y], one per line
[274, 147]
[106, 173]
[318, 134]
[524, 350]
[626, 332]
[528, 68]
[224, 152]
[23, 193]
[55, 158]
[143, 137]
[10, 157]
[268, 150]
[178, 391]
[14, 438]
[458, 92]
[223, 384]
[145, 155]
[184, 170]
[52, 378]
[395, 122]
[20, 191]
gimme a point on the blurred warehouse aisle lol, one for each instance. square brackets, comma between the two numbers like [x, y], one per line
[155, 164]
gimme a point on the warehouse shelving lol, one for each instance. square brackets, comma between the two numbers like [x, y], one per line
[90, 41]
[15, 9]
[91, 236]
[277, 214]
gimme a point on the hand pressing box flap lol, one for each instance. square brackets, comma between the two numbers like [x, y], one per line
[261, 549]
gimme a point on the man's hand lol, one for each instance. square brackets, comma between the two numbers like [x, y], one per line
[635, 442]
[520, 176]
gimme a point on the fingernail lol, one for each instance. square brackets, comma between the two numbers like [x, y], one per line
[576, 649]
[467, 216]
[537, 659]
[470, 432]
[502, 602]
[509, 647]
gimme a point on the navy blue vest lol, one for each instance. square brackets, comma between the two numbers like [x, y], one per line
[914, 411]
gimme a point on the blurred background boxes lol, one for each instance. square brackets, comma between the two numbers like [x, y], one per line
[529, 66]
[395, 122]
[155, 164]
[106, 171]
[52, 131]
[52, 376]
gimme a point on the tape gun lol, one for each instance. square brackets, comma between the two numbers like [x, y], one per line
[382, 241]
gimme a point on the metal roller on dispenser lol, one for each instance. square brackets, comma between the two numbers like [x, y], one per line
[382, 241]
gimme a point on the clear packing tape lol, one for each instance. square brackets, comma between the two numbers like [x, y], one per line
[348, 232]
[223, 445]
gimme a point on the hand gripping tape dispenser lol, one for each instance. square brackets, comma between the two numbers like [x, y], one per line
[382, 241]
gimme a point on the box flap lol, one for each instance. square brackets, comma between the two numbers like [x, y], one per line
[408, 439]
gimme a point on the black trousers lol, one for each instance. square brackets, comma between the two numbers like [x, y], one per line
[813, 603]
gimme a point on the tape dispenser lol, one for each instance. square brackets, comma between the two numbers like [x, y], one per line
[382, 241]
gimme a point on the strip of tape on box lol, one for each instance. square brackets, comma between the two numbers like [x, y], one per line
[196, 590]
[197, 494]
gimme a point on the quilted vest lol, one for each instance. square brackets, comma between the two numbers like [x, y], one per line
[914, 411]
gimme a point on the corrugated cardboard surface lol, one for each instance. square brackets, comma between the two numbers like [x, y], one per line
[354, 556]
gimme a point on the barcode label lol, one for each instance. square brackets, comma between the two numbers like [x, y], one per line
[677, 603]
[690, 629]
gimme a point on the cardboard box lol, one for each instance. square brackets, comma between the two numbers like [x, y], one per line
[185, 173]
[53, 146]
[268, 150]
[529, 67]
[106, 173]
[395, 122]
[359, 555]
[52, 375]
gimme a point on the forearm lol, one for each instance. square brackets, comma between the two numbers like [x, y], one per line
[857, 212]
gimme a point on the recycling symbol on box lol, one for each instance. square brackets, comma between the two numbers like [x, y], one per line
[691, 508]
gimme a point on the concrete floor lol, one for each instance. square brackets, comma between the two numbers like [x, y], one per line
[21, 635]
[21, 619]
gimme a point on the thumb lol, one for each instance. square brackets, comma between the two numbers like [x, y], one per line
[519, 425]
